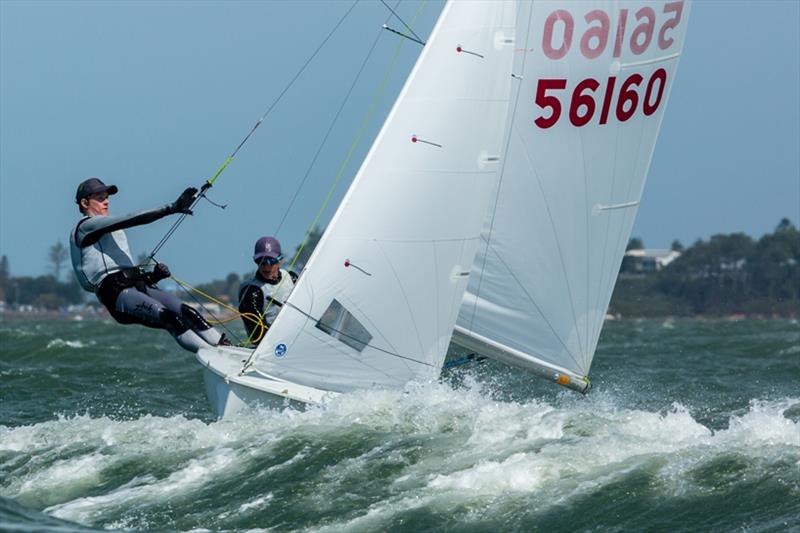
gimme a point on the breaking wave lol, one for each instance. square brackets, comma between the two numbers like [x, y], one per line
[436, 455]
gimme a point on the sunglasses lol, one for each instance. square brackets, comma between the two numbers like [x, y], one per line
[270, 260]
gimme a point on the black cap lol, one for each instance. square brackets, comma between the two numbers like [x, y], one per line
[93, 186]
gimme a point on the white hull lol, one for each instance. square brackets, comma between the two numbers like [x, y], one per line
[230, 392]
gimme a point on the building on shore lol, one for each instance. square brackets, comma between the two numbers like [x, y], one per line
[644, 261]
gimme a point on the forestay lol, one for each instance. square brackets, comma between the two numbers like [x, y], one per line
[591, 85]
[379, 298]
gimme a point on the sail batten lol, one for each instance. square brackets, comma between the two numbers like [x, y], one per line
[649, 61]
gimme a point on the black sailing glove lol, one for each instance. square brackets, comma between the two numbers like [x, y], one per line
[184, 202]
[161, 271]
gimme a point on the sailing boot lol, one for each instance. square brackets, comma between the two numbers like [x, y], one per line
[188, 339]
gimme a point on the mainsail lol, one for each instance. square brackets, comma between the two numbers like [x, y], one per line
[378, 300]
[591, 82]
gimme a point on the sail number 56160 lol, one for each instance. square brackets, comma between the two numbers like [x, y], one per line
[598, 29]
[583, 106]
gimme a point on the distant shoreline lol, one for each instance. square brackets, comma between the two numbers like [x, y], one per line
[50, 314]
[95, 314]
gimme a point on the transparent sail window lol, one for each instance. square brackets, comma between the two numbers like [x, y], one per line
[337, 322]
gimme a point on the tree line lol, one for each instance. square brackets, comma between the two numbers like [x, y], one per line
[45, 292]
[726, 274]
[59, 288]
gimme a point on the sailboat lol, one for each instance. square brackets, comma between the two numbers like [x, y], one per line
[492, 210]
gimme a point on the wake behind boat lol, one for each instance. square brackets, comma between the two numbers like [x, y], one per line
[495, 203]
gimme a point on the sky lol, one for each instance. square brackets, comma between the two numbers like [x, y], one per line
[153, 96]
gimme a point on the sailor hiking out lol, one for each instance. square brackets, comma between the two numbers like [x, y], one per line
[264, 295]
[103, 265]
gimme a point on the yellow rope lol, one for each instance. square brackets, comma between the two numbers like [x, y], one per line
[261, 327]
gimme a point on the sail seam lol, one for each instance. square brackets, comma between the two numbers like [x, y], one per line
[462, 99]
[587, 245]
[625, 216]
[405, 296]
[558, 244]
[600, 291]
[456, 302]
[500, 174]
[586, 240]
[628, 212]
[533, 302]
[454, 173]
[436, 314]
[366, 318]
[423, 241]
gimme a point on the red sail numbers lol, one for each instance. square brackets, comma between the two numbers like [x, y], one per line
[598, 99]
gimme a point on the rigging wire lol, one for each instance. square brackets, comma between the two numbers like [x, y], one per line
[328, 133]
[419, 39]
[401, 34]
[261, 327]
[370, 112]
[252, 339]
[210, 182]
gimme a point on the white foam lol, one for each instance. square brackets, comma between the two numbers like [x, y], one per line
[59, 480]
[178, 486]
[763, 425]
[60, 343]
[465, 446]
[791, 350]
[257, 503]
[18, 333]
[563, 453]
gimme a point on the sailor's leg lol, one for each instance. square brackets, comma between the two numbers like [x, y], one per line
[200, 326]
[138, 308]
[143, 309]
[190, 316]
[183, 334]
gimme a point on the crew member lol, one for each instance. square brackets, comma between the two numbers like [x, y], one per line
[265, 294]
[103, 265]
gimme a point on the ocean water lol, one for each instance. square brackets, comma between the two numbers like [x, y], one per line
[691, 426]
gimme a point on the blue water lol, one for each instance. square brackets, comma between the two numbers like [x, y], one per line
[690, 426]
